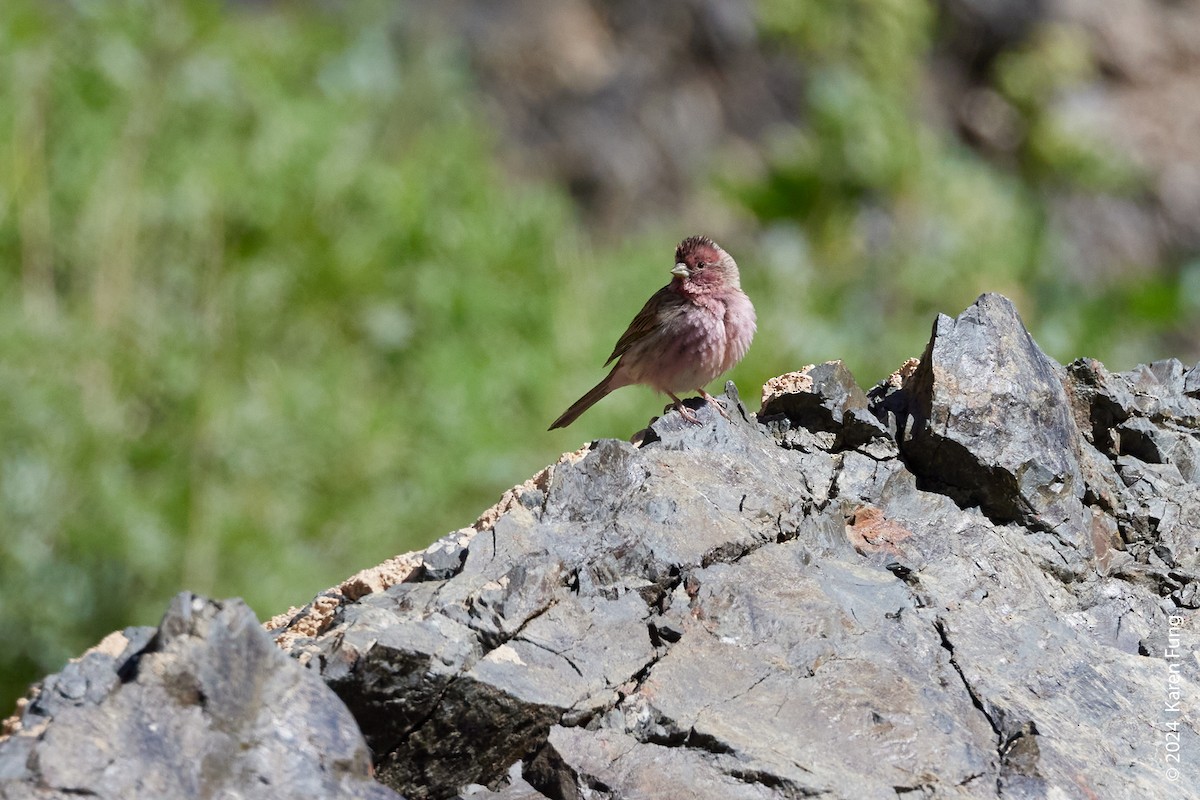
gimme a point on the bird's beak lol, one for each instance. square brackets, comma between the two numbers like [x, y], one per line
[682, 270]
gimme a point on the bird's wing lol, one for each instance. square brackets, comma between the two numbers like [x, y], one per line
[662, 305]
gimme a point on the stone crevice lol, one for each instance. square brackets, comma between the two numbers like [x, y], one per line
[940, 626]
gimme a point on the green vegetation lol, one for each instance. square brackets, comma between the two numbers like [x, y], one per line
[270, 312]
[889, 220]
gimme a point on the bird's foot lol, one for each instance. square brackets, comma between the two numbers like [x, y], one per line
[685, 412]
[716, 403]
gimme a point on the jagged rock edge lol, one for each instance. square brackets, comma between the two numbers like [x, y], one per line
[663, 645]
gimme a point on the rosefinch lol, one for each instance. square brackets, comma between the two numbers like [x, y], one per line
[692, 330]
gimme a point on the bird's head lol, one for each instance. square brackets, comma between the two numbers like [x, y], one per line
[701, 266]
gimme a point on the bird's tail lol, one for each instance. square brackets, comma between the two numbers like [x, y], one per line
[581, 405]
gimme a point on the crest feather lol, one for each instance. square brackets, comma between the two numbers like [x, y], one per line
[691, 244]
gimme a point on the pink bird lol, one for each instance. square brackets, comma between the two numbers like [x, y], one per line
[690, 331]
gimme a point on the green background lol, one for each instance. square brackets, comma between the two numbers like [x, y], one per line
[271, 311]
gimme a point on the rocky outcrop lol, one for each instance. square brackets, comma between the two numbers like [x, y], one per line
[204, 706]
[976, 580]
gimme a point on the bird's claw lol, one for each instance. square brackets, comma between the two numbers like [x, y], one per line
[684, 411]
[720, 408]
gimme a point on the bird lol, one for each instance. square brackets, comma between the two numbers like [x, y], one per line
[690, 331]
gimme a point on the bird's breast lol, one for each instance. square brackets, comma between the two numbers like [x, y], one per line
[740, 323]
[691, 351]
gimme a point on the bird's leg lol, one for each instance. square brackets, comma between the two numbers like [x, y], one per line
[684, 411]
[713, 400]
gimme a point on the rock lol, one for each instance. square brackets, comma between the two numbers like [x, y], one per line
[206, 706]
[1144, 424]
[990, 424]
[823, 398]
[1000, 604]
[798, 604]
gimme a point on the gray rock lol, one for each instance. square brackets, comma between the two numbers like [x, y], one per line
[1145, 423]
[781, 609]
[835, 404]
[1191, 385]
[205, 706]
[999, 605]
[991, 426]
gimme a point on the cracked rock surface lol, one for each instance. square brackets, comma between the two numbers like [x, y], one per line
[204, 706]
[977, 579]
[963, 583]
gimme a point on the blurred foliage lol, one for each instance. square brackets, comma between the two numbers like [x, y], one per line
[877, 218]
[270, 311]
